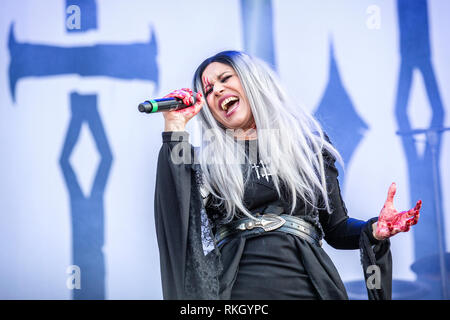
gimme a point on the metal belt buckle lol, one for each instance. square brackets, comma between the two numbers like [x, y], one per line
[268, 222]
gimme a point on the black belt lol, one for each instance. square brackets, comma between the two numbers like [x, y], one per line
[268, 222]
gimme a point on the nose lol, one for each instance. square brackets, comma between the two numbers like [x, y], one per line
[218, 88]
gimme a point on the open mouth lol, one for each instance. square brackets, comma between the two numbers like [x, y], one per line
[230, 104]
[232, 108]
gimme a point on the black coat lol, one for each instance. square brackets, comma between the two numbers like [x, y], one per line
[192, 267]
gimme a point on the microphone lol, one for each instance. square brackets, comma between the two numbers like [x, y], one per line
[164, 104]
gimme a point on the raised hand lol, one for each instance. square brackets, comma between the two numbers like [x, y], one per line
[176, 120]
[390, 221]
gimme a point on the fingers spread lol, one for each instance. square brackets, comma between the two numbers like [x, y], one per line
[412, 219]
[391, 192]
[418, 205]
[416, 218]
[415, 213]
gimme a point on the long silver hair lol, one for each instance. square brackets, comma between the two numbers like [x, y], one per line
[289, 140]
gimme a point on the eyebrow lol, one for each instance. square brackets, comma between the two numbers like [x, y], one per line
[208, 84]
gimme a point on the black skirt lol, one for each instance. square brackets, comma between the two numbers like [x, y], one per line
[271, 268]
[277, 265]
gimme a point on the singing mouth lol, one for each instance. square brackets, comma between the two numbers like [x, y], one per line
[228, 103]
[233, 108]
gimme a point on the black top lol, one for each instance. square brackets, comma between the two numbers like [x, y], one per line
[341, 232]
[193, 267]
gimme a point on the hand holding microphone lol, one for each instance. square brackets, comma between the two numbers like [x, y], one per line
[178, 107]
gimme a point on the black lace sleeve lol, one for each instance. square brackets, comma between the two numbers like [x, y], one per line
[343, 232]
[190, 265]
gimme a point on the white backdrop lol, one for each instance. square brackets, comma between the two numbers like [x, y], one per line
[35, 213]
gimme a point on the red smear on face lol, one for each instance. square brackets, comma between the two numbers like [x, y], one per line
[206, 83]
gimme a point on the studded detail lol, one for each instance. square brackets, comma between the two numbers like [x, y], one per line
[267, 221]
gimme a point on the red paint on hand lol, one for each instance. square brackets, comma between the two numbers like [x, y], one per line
[391, 222]
[185, 94]
[179, 118]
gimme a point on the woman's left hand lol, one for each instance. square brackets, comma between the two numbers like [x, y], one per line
[390, 221]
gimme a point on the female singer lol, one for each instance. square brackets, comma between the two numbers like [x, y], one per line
[243, 215]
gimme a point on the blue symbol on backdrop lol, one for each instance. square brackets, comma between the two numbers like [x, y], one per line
[335, 107]
[257, 24]
[423, 170]
[128, 61]
[87, 212]
[338, 117]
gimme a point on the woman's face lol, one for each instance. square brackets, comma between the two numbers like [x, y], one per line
[225, 96]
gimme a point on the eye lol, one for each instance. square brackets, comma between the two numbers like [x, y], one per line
[208, 91]
[224, 79]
